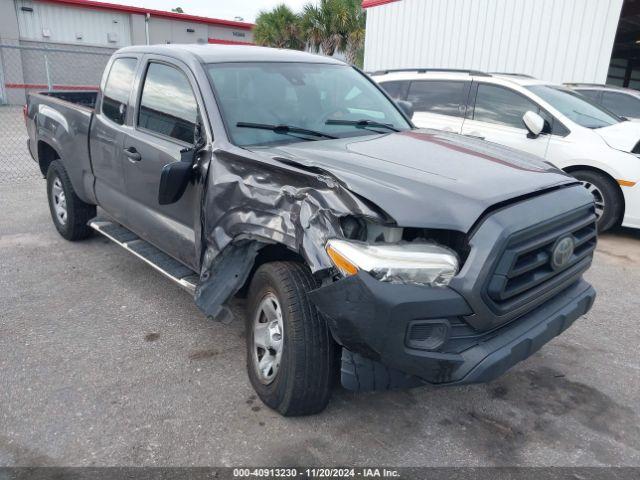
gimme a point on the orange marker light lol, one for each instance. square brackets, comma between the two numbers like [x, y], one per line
[344, 265]
[626, 183]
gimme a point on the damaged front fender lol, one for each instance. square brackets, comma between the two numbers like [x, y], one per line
[249, 203]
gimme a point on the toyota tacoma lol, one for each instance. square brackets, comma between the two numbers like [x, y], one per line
[366, 248]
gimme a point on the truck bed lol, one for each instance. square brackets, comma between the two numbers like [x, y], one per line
[84, 98]
[63, 120]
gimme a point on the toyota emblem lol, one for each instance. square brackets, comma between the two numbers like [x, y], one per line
[562, 252]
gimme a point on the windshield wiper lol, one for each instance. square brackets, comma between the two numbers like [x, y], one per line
[362, 124]
[284, 129]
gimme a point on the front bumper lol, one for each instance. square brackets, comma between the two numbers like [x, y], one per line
[371, 320]
[631, 217]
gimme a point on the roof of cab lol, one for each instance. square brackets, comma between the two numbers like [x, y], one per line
[208, 53]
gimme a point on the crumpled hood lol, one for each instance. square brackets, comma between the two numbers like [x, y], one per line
[424, 178]
[621, 136]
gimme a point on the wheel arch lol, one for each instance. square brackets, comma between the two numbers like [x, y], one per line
[599, 171]
[232, 270]
[272, 252]
[47, 153]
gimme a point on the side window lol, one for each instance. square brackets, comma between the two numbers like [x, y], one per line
[442, 97]
[396, 90]
[168, 105]
[116, 91]
[621, 104]
[502, 106]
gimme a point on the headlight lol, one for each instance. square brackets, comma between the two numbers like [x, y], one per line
[416, 263]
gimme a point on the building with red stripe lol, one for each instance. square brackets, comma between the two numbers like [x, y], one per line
[79, 36]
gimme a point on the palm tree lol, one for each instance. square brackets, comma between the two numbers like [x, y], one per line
[352, 25]
[321, 25]
[278, 28]
[335, 25]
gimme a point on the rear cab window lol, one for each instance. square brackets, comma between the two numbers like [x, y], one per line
[115, 98]
[168, 105]
[448, 97]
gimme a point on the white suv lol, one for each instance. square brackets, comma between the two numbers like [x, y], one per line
[551, 121]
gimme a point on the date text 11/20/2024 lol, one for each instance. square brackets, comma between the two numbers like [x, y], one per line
[316, 472]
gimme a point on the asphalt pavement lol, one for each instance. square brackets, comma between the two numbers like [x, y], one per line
[105, 362]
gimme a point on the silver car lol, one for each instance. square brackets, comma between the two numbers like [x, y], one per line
[624, 102]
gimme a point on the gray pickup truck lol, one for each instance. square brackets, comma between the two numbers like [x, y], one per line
[396, 256]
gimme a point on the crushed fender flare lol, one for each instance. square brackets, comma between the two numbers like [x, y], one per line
[227, 274]
[248, 204]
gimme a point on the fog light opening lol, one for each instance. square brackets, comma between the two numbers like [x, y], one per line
[427, 334]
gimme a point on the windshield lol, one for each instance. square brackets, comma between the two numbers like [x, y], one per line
[315, 101]
[575, 106]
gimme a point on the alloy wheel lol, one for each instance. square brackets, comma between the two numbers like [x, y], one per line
[59, 201]
[598, 197]
[268, 332]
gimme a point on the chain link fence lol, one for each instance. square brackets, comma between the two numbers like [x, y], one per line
[31, 67]
[15, 161]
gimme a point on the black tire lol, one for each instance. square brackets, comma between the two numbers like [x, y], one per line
[303, 381]
[609, 191]
[78, 213]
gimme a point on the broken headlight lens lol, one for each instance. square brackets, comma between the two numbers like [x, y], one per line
[411, 263]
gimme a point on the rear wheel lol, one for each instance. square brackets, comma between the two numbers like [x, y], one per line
[290, 351]
[69, 214]
[606, 195]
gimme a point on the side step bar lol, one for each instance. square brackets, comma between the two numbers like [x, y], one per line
[169, 267]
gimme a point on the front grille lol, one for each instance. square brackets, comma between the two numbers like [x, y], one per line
[525, 269]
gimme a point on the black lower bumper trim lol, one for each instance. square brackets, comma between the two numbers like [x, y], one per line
[527, 336]
[369, 319]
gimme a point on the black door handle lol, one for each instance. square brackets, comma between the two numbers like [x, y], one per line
[132, 154]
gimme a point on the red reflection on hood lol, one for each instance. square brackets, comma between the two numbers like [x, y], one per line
[434, 138]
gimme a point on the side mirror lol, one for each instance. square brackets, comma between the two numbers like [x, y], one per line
[406, 107]
[534, 123]
[173, 181]
[175, 177]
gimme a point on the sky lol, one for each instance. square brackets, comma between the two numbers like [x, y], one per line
[226, 9]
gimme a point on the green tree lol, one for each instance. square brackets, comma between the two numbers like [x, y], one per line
[279, 28]
[352, 25]
[327, 26]
[321, 25]
[335, 26]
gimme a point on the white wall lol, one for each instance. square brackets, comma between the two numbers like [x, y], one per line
[555, 40]
[65, 23]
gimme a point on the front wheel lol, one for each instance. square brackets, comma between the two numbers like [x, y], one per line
[290, 351]
[606, 195]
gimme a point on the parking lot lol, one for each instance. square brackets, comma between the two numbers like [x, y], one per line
[105, 362]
